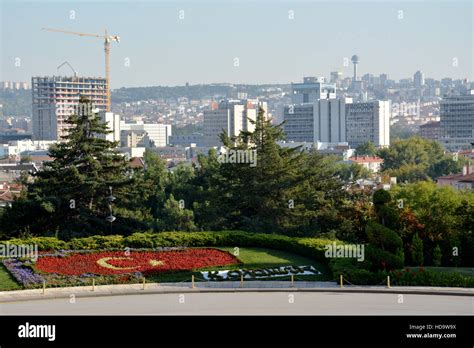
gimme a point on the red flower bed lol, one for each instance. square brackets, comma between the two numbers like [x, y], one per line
[119, 262]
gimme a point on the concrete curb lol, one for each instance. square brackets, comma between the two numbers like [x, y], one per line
[234, 287]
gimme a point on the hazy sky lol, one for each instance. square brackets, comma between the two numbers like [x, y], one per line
[394, 37]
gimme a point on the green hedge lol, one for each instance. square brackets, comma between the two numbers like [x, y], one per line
[422, 277]
[44, 243]
[310, 247]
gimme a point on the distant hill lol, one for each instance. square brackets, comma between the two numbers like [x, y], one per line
[18, 103]
[15, 103]
[130, 94]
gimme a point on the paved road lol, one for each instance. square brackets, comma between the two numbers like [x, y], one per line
[259, 303]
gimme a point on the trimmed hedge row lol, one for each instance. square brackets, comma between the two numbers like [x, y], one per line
[422, 277]
[310, 247]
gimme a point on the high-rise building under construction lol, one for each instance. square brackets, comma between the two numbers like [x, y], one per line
[55, 98]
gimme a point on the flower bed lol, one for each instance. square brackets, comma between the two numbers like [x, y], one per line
[119, 262]
[75, 268]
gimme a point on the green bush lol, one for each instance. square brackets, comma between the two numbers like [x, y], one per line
[417, 250]
[44, 243]
[383, 237]
[378, 259]
[96, 242]
[381, 197]
[365, 277]
[437, 256]
[422, 277]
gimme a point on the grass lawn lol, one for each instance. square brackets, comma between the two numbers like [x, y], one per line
[465, 271]
[260, 257]
[6, 280]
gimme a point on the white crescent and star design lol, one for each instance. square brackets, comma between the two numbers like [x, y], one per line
[104, 262]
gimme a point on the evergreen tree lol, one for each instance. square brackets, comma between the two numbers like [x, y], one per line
[366, 149]
[69, 196]
[437, 256]
[175, 217]
[417, 250]
[284, 190]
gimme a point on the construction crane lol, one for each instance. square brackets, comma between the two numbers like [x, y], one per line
[69, 65]
[107, 40]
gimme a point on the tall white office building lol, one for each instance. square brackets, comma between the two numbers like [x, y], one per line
[368, 121]
[299, 122]
[322, 120]
[159, 134]
[312, 88]
[113, 125]
[330, 120]
[231, 116]
[457, 121]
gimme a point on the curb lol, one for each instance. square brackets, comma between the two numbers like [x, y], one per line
[155, 288]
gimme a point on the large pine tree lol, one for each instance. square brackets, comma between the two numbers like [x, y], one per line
[287, 191]
[69, 196]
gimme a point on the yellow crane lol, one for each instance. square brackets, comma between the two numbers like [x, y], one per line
[107, 40]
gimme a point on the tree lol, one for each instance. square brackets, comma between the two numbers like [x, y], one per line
[417, 159]
[446, 216]
[385, 249]
[175, 217]
[69, 196]
[286, 191]
[446, 165]
[366, 149]
[387, 214]
[437, 256]
[207, 192]
[465, 217]
[351, 171]
[417, 250]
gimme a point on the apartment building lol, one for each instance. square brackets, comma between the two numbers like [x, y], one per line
[457, 121]
[55, 98]
[231, 116]
[368, 121]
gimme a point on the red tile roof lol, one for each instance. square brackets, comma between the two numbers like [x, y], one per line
[136, 162]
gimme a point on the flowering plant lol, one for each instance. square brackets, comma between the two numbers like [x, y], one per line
[119, 262]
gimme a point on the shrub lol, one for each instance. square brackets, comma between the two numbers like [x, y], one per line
[437, 256]
[378, 259]
[383, 237]
[343, 266]
[422, 277]
[44, 243]
[417, 250]
[365, 277]
[96, 242]
[381, 197]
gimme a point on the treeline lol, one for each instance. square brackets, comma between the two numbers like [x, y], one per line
[194, 92]
[414, 159]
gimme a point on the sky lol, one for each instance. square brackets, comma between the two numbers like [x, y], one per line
[168, 43]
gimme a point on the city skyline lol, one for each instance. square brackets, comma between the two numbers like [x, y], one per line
[207, 43]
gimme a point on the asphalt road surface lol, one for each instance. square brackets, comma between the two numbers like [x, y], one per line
[258, 303]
